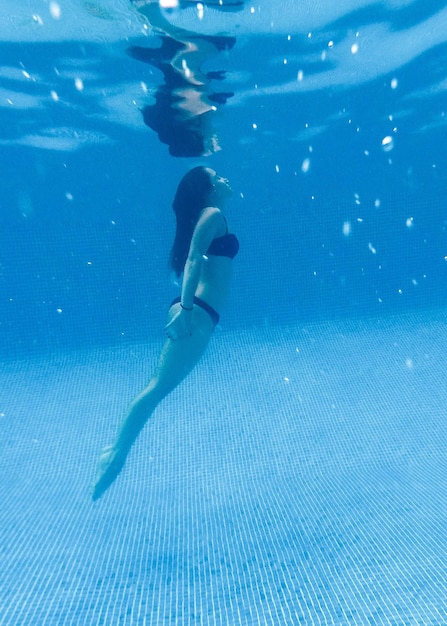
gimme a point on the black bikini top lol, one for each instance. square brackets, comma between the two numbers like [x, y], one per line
[226, 245]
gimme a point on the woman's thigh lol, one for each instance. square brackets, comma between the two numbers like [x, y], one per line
[177, 358]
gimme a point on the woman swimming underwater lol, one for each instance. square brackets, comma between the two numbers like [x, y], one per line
[202, 251]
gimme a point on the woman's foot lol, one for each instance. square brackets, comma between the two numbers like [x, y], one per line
[109, 466]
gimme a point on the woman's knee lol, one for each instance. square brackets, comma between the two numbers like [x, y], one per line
[150, 395]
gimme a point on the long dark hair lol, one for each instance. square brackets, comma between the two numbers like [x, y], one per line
[192, 196]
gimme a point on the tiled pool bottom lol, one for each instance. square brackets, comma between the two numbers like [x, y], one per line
[297, 477]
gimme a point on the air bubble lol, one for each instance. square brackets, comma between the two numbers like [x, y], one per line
[305, 166]
[387, 143]
[55, 11]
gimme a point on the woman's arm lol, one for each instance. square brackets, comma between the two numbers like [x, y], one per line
[211, 222]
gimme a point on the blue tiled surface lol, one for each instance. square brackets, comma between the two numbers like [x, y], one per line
[297, 477]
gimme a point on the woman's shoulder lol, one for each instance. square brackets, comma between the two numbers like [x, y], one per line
[212, 220]
[211, 215]
[210, 211]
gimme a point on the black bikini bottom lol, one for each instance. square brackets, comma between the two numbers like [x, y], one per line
[203, 305]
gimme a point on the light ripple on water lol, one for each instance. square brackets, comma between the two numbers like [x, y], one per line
[380, 50]
[63, 139]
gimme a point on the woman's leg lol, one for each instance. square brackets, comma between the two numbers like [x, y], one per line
[176, 360]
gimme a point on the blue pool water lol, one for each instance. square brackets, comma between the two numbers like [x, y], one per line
[297, 476]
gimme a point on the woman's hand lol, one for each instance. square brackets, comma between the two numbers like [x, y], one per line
[180, 325]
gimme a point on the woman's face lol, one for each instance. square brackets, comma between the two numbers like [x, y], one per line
[221, 187]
